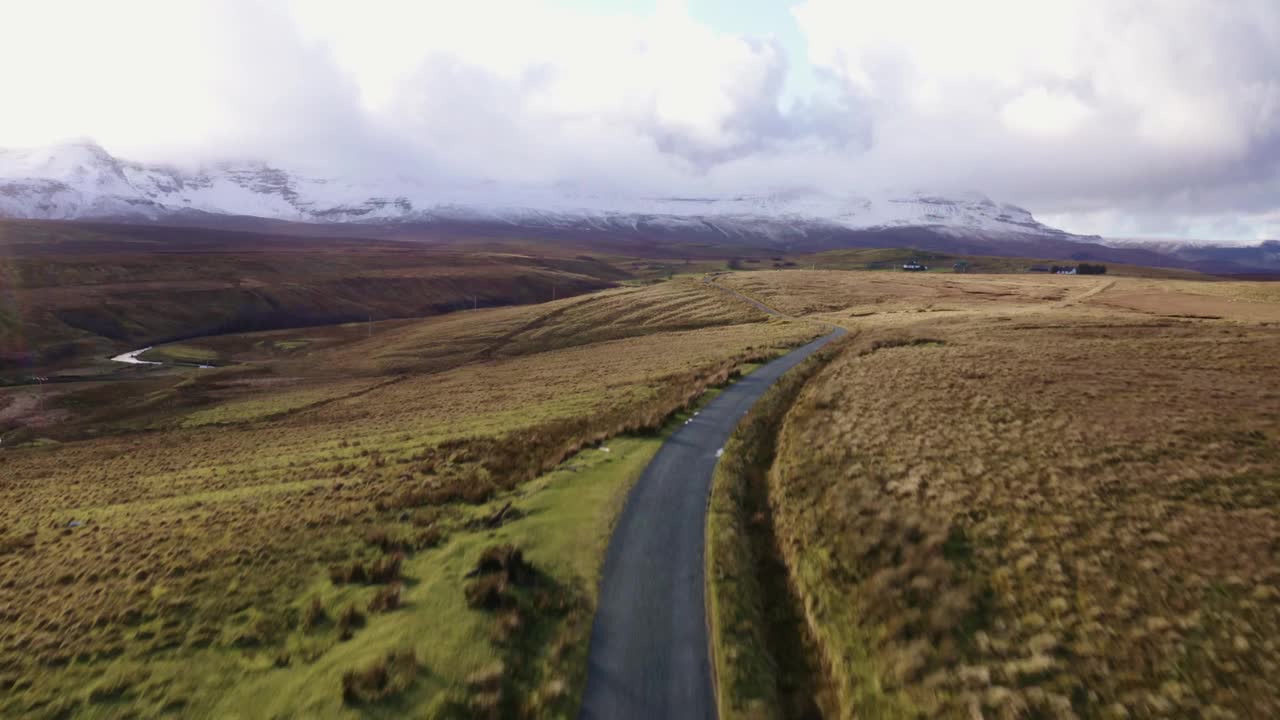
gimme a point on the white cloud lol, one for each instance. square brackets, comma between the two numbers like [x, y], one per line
[1068, 106]
[71, 69]
[1043, 112]
[1226, 228]
[663, 70]
[1101, 109]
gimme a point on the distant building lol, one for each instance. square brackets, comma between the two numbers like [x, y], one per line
[914, 266]
[961, 267]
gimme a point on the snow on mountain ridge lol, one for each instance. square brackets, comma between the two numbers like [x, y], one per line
[80, 180]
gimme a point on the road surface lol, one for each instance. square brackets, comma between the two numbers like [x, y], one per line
[649, 649]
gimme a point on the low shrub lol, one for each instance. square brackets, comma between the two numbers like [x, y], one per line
[386, 569]
[349, 620]
[429, 538]
[385, 677]
[314, 614]
[16, 543]
[498, 568]
[386, 599]
[344, 574]
[425, 517]
[487, 592]
[387, 540]
[505, 559]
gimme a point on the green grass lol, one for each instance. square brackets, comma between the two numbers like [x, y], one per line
[290, 345]
[273, 405]
[8, 321]
[201, 549]
[566, 518]
[179, 353]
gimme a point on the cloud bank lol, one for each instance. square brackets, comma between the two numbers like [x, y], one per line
[1121, 117]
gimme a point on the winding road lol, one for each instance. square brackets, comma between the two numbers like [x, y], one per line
[649, 654]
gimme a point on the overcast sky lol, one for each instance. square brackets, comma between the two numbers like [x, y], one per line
[1156, 118]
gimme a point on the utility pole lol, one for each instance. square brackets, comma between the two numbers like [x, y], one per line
[475, 302]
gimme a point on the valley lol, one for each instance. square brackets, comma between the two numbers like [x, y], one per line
[959, 505]
[75, 292]
[563, 360]
[312, 452]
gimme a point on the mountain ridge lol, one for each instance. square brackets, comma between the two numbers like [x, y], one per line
[82, 181]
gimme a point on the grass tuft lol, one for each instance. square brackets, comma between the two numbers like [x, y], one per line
[386, 569]
[349, 620]
[314, 615]
[386, 677]
[385, 599]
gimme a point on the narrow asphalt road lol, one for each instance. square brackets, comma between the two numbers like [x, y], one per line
[649, 648]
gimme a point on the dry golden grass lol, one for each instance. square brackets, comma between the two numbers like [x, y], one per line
[1236, 301]
[451, 340]
[1268, 292]
[865, 293]
[178, 551]
[1016, 493]
[861, 295]
[1038, 505]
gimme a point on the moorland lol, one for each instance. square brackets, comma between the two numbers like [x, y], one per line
[1010, 496]
[281, 524]
[390, 491]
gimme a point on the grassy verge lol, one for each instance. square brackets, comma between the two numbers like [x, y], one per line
[762, 667]
[242, 538]
[202, 582]
[525, 657]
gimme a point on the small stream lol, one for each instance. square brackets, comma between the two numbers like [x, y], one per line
[131, 358]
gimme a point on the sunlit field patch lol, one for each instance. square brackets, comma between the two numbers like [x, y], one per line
[1010, 493]
[1042, 513]
[241, 532]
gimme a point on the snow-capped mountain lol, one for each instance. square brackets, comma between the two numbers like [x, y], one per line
[1264, 256]
[82, 181]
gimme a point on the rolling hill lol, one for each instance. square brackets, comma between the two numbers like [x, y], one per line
[75, 291]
